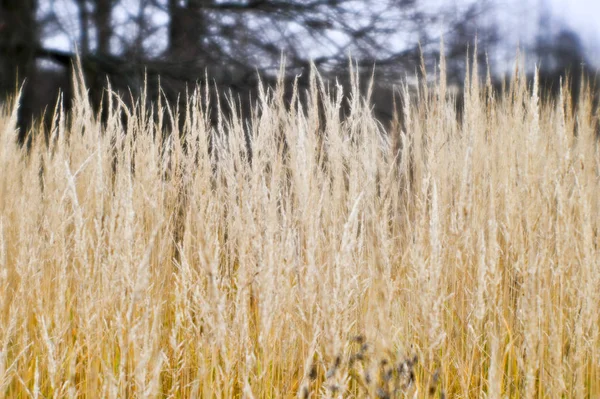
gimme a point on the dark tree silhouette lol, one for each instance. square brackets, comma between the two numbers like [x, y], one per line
[19, 41]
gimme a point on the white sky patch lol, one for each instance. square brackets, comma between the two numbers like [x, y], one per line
[584, 17]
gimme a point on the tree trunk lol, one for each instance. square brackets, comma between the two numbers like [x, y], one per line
[186, 28]
[18, 44]
[84, 37]
[102, 20]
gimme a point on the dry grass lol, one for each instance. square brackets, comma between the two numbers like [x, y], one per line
[443, 260]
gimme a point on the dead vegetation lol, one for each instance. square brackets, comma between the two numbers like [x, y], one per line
[444, 259]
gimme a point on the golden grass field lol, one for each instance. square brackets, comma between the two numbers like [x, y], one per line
[444, 259]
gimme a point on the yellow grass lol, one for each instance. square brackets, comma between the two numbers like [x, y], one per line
[444, 259]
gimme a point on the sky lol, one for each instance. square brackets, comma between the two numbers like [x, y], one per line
[581, 14]
[584, 17]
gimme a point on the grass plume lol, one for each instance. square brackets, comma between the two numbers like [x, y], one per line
[271, 255]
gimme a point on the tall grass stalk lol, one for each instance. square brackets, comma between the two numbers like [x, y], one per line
[291, 253]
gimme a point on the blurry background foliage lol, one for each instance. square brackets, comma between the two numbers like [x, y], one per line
[233, 41]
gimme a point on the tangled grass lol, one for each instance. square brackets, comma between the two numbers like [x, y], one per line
[277, 256]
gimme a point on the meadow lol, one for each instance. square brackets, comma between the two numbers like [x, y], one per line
[294, 253]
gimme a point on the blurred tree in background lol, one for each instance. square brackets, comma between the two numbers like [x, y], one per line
[182, 41]
[19, 41]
